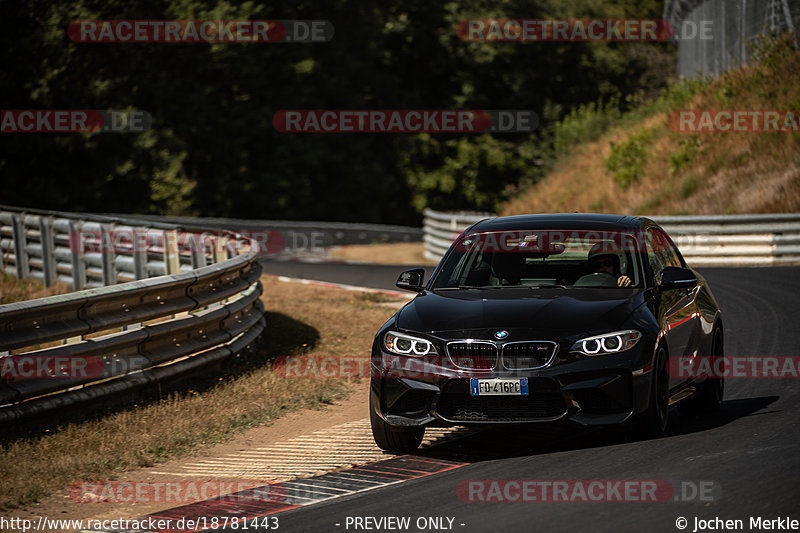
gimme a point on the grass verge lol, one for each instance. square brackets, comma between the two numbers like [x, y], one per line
[14, 290]
[402, 253]
[302, 319]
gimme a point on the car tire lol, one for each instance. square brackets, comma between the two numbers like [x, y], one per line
[708, 398]
[391, 440]
[653, 422]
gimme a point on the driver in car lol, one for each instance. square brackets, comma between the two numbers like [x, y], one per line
[603, 262]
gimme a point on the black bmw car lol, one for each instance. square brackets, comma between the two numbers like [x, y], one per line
[571, 318]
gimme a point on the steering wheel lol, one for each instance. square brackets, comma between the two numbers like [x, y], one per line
[596, 279]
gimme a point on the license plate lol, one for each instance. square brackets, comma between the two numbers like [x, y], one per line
[499, 387]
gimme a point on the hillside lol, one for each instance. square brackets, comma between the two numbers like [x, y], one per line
[641, 165]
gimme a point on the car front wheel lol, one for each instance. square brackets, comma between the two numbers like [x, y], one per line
[653, 422]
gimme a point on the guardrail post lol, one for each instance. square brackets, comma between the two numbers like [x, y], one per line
[108, 254]
[20, 245]
[78, 265]
[48, 250]
[139, 253]
[231, 249]
[220, 252]
[199, 251]
[172, 259]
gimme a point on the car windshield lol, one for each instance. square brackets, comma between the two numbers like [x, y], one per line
[549, 258]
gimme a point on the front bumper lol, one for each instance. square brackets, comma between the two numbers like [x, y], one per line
[600, 390]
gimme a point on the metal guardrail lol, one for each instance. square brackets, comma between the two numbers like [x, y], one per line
[300, 235]
[114, 338]
[440, 229]
[87, 251]
[707, 240]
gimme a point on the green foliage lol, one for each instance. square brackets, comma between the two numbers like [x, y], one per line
[586, 123]
[726, 160]
[690, 184]
[626, 160]
[213, 151]
[774, 57]
[688, 148]
[463, 172]
[772, 51]
[680, 94]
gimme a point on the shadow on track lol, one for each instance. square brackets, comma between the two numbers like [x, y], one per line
[519, 441]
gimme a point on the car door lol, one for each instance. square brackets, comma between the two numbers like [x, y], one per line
[678, 314]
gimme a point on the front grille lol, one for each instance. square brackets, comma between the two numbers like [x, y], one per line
[527, 354]
[473, 355]
[500, 408]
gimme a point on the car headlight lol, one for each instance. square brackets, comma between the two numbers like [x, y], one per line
[615, 342]
[403, 344]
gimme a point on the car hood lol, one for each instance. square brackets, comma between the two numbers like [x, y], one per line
[552, 310]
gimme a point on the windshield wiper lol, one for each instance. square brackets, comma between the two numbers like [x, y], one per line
[487, 287]
[460, 287]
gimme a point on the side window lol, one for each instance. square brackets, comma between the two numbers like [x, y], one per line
[674, 260]
[660, 252]
[656, 259]
[668, 249]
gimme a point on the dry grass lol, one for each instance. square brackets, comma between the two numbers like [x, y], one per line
[13, 289]
[725, 172]
[301, 320]
[402, 253]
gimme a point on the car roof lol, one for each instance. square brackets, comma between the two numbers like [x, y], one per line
[577, 221]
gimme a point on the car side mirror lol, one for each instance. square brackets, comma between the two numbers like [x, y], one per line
[411, 280]
[677, 278]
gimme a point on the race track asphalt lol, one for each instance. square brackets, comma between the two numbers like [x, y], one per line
[750, 452]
